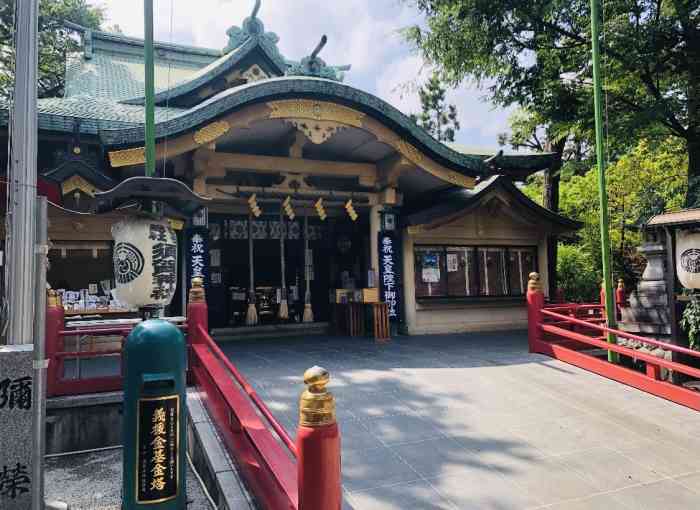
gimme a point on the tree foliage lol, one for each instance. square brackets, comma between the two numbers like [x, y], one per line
[647, 180]
[537, 54]
[437, 117]
[55, 41]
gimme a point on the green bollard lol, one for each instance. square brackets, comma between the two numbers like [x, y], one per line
[154, 435]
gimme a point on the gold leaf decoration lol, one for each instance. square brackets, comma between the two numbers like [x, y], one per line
[76, 182]
[315, 110]
[127, 157]
[211, 132]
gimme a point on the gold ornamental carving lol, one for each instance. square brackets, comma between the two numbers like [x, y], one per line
[317, 131]
[416, 157]
[315, 110]
[409, 152]
[316, 404]
[76, 182]
[533, 283]
[127, 157]
[254, 73]
[211, 132]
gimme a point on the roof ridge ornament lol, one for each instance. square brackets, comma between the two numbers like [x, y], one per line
[254, 29]
[313, 65]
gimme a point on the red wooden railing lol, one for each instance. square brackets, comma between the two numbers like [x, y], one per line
[58, 340]
[282, 474]
[566, 331]
[266, 460]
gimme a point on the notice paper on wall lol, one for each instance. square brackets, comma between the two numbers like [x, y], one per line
[452, 265]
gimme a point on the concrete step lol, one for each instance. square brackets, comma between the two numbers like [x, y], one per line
[270, 331]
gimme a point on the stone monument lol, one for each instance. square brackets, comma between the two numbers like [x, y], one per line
[648, 313]
[16, 386]
[648, 310]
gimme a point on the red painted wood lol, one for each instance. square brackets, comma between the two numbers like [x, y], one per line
[624, 334]
[268, 468]
[602, 344]
[318, 468]
[262, 407]
[677, 394]
[54, 343]
[535, 304]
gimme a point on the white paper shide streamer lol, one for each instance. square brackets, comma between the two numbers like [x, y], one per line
[145, 262]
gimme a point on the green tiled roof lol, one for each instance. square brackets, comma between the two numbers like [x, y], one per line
[111, 66]
[96, 115]
[206, 74]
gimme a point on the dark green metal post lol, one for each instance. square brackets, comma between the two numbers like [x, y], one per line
[149, 89]
[602, 191]
[153, 432]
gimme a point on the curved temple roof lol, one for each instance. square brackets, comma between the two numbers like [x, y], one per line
[321, 89]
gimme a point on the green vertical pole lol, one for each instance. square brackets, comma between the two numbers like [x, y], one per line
[150, 88]
[602, 192]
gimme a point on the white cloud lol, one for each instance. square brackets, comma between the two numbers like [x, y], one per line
[363, 33]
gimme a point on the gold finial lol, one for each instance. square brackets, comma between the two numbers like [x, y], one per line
[621, 284]
[197, 290]
[534, 283]
[316, 404]
[52, 298]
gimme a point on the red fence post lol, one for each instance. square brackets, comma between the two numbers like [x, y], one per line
[55, 319]
[535, 303]
[197, 313]
[318, 445]
[559, 295]
[620, 297]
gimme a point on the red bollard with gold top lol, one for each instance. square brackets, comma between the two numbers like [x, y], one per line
[197, 313]
[535, 304]
[318, 445]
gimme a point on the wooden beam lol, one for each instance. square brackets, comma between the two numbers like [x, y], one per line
[228, 192]
[211, 163]
[391, 168]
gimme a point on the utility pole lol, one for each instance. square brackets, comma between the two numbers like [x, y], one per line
[22, 185]
[602, 191]
[150, 88]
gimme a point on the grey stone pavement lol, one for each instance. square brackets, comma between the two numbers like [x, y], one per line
[473, 421]
[93, 481]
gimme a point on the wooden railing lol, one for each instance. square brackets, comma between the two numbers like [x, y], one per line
[569, 332]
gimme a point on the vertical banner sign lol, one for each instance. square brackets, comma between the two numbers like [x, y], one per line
[390, 273]
[157, 469]
[198, 255]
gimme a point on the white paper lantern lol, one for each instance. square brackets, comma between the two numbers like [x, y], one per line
[145, 262]
[688, 258]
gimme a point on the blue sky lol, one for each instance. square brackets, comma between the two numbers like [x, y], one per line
[363, 33]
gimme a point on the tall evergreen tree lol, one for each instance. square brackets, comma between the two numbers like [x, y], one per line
[55, 41]
[437, 117]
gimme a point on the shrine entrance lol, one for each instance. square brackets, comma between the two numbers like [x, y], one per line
[338, 258]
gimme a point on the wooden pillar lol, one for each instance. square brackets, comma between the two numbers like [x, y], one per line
[409, 282]
[374, 227]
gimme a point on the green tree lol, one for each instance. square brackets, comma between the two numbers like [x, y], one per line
[437, 117]
[55, 41]
[648, 179]
[538, 54]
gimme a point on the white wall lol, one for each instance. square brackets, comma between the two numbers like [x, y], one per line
[496, 223]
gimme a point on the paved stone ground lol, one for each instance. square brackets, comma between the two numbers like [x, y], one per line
[475, 422]
[92, 481]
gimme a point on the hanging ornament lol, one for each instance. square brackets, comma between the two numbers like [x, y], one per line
[688, 258]
[145, 262]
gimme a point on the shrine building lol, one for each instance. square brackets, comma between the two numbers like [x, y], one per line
[318, 193]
